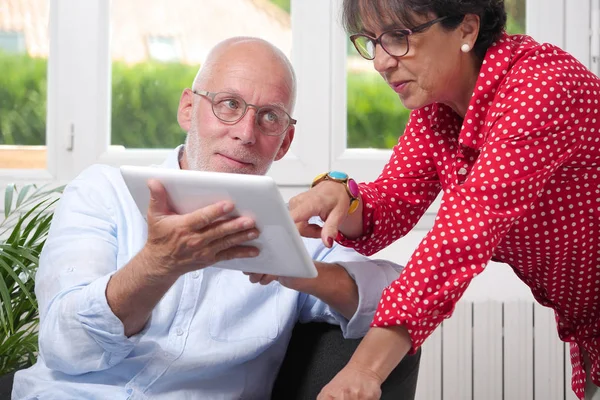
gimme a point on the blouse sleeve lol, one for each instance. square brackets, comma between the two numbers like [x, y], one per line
[395, 202]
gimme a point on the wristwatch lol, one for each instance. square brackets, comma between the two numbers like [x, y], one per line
[343, 178]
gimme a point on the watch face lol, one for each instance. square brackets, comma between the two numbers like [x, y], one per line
[353, 187]
[337, 175]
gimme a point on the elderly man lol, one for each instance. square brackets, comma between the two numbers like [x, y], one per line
[131, 308]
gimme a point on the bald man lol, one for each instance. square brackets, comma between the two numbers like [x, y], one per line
[131, 308]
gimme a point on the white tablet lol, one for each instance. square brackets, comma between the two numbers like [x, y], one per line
[282, 251]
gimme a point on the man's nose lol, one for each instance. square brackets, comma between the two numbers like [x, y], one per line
[246, 129]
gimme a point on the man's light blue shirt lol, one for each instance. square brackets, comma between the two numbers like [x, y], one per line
[214, 335]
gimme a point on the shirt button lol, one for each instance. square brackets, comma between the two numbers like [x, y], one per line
[195, 274]
[129, 391]
[462, 171]
[179, 331]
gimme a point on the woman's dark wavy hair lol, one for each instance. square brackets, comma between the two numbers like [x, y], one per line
[492, 15]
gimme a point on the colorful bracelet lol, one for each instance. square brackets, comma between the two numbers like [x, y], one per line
[343, 178]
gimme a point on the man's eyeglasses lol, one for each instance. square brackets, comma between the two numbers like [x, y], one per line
[231, 108]
[394, 42]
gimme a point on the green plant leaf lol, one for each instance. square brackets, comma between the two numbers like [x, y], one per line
[20, 266]
[12, 252]
[7, 323]
[24, 231]
[23, 194]
[19, 282]
[16, 235]
[8, 199]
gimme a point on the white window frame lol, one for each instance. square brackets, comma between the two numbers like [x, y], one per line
[79, 89]
[307, 156]
[554, 21]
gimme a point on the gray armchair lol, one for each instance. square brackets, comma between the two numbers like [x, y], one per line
[318, 351]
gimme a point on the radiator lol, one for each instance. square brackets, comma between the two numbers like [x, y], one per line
[496, 350]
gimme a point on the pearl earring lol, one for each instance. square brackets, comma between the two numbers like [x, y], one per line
[465, 48]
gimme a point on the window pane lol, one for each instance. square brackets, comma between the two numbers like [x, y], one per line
[157, 50]
[23, 65]
[376, 117]
[515, 10]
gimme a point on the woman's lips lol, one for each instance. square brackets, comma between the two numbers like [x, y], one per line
[398, 86]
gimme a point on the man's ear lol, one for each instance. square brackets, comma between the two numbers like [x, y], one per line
[184, 111]
[285, 144]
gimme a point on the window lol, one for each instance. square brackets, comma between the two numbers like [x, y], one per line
[145, 94]
[376, 117]
[23, 86]
[12, 42]
[119, 118]
[163, 49]
[516, 16]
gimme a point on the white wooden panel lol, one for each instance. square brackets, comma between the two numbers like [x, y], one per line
[487, 350]
[518, 350]
[546, 21]
[595, 36]
[457, 353]
[577, 31]
[569, 394]
[429, 385]
[548, 356]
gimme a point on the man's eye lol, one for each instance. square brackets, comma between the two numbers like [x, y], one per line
[231, 103]
[271, 117]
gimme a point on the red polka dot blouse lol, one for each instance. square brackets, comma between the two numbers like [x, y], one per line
[520, 176]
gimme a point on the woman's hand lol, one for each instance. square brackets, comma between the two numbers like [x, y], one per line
[298, 284]
[378, 354]
[352, 383]
[329, 201]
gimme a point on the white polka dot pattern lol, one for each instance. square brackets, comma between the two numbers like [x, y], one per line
[520, 176]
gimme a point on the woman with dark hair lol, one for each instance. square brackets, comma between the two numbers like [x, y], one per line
[509, 131]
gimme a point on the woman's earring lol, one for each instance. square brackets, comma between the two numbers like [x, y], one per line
[465, 48]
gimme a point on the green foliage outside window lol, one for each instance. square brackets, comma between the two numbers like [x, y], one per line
[376, 118]
[145, 99]
[22, 100]
[283, 4]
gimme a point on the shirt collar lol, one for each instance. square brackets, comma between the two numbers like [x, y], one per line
[172, 160]
[495, 66]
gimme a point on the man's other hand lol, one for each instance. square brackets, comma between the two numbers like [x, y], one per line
[183, 243]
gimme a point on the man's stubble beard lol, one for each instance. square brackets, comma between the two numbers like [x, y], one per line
[194, 160]
[198, 161]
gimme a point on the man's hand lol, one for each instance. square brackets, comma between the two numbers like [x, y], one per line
[352, 383]
[176, 244]
[182, 243]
